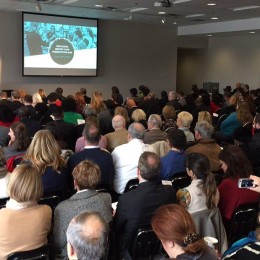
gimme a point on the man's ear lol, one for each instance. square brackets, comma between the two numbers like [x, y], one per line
[71, 252]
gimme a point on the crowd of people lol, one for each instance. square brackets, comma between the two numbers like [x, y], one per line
[86, 149]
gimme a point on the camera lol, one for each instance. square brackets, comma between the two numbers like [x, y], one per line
[245, 183]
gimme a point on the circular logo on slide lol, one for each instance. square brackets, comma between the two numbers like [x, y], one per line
[61, 51]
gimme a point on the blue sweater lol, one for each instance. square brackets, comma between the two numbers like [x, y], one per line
[230, 124]
[172, 163]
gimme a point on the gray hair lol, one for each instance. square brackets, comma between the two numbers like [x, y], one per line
[205, 129]
[136, 131]
[173, 94]
[118, 121]
[149, 166]
[87, 239]
[155, 120]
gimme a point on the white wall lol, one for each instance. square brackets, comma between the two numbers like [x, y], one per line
[226, 60]
[130, 54]
[234, 59]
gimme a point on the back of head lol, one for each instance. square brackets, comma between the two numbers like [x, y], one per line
[25, 184]
[83, 91]
[23, 112]
[186, 118]
[176, 138]
[3, 94]
[243, 113]
[28, 99]
[238, 165]
[205, 116]
[87, 233]
[149, 166]
[22, 139]
[91, 131]
[52, 97]
[205, 129]
[133, 92]
[87, 175]
[136, 131]
[59, 91]
[173, 223]
[169, 112]
[118, 122]
[155, 120]
[138, 115]
[173, 95]
[123, 112]
[45, 151]
[15, 94]
[69, 105]
[57, 112]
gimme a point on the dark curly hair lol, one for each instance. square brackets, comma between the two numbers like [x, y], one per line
[22, 139]
[176, 138]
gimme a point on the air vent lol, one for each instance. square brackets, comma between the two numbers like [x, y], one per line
[198, 20]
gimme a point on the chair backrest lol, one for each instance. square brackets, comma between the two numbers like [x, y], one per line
[13, 161]
[180, 182]
[41, 253]
[3, 202]
[131, 184]
[243, 221]
[145, 244]
[220, 120]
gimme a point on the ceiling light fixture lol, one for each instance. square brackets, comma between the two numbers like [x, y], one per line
[252, 32]
[194, 15]
[246, 8]
[211, 4]
[214, 18]
[164, 20]
[38, 7]
[161, 12]
[99, 6]
[209, 35]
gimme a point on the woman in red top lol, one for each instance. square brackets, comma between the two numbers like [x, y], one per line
[235, 165]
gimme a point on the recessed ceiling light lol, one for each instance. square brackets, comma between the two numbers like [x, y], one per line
[211, 4]
[209, 35]
[175, 23]
[246, 7]
[252, 32]
[194, 15]
[161, 12]
[99, 6]
[214, 18]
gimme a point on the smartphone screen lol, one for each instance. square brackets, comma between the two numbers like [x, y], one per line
[245, 183]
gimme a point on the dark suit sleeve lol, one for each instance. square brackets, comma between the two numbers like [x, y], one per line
[120, 218]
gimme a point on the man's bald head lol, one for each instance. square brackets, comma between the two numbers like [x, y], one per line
[118, 122]
[87, 236]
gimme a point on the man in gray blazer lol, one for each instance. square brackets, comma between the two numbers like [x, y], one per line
[86, 177]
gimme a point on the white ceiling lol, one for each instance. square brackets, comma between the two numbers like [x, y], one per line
[245, 20]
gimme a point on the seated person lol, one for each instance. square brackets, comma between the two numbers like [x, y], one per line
[202, 193]
[86, 177]
[135, 207]
[174, 226]
[24, 225]
[4, 176]
[87, 237]
[184, 120]
[44, 153]
[235, 165]
[173, 161]
[155, 133]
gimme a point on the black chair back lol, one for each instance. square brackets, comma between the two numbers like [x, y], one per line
[180, 180]
[145, 244]
[3, 202]
[41, 253]
[220, 120]
[131, 184]
[244, 220]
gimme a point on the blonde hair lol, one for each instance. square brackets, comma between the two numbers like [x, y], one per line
[123, 112]
[205, 116]
[138, 115]
[25, 184]
[97, 102]
[45, 151]
[186, 118]
[169, 112]
[243, 113]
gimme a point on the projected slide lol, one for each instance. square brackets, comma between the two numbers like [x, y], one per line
[59, 46]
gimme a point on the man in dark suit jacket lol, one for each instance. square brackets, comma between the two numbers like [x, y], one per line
[136, 207]
[15, 104]
[95, 154]
[83, 91]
